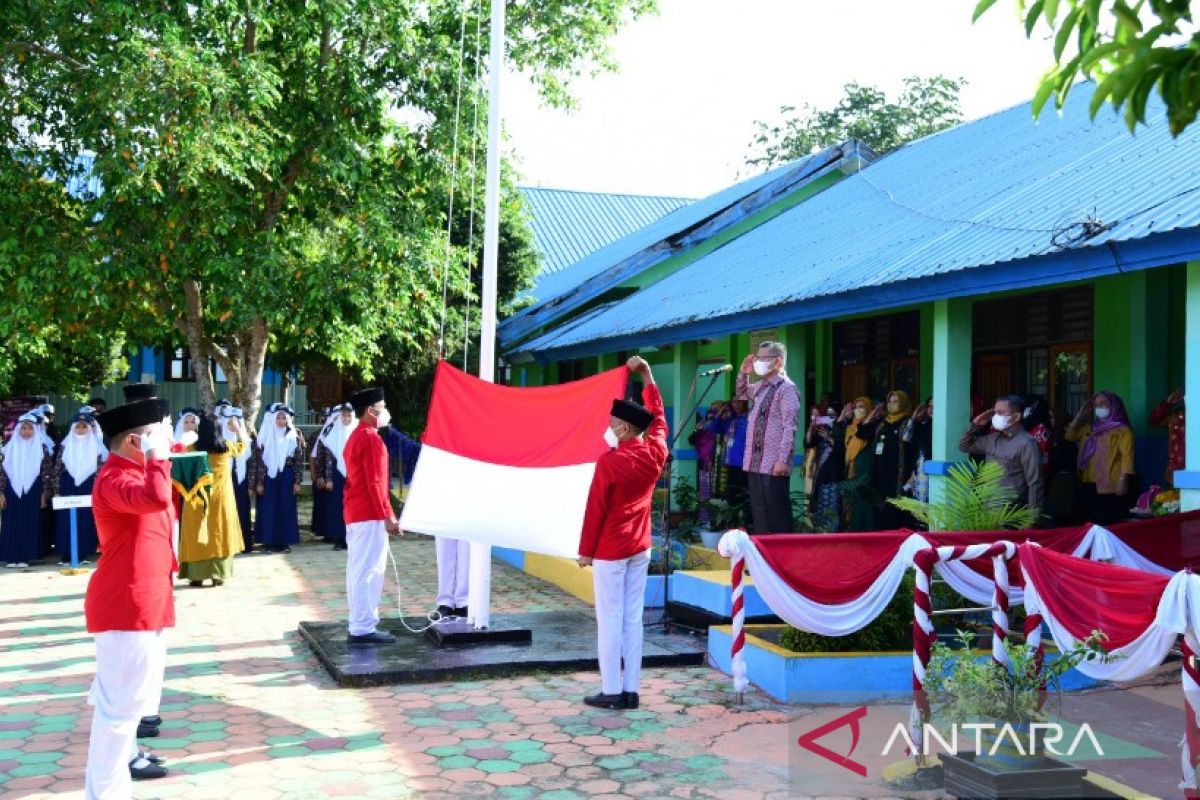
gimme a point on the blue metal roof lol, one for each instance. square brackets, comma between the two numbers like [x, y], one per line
[569, 225]
[560, 293]
[1000, 203]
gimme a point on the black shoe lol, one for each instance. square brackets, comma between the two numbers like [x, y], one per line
[196, 584]
[286, 549]
[218, 582]
[378, 637]
[461, 612]
[148, 772]
[145, 731]
[601, 700]
[445, 612]
[339, 546]
[156, 720]
[151, 757]
[631, 699]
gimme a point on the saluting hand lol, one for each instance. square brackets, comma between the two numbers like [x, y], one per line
[984, 420]
[748, 364]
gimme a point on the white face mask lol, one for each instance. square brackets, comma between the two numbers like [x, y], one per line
[382, 419]
[610, 438]
[1000, 422]
[1102, 413]
[860, 413]
[761, 368]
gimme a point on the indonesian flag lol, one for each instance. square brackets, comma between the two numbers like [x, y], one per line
[510, 467]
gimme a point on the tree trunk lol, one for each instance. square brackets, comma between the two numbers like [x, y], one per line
[253, 362]
[193, 330]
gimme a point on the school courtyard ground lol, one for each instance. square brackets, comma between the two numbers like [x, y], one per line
[249, 713]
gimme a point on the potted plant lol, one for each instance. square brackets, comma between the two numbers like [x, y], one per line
[964, 688]
[972, 499]
[687, 504]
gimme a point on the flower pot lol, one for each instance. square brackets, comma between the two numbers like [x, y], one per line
[710, 538]
[966, 776]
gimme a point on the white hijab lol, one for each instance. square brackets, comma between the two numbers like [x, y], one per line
[80, 454]
[179, 424]
[23, 457]
[335, 436]
[277, 445]
[239, 463]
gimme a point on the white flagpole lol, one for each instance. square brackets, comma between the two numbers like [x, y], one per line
[479, 595]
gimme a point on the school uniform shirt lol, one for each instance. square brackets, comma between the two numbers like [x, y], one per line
[131, 589]
[616, 522]
[365, 498]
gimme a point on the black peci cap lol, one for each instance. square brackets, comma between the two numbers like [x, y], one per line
[636, 415]
[133, 415]
[361, 400]
[139, 391]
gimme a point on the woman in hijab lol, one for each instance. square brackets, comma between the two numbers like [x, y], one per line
[894, 457]
[276, 470]
[233, 431]
[75, 465]
[1106, 470]
[188, 422]
[857, 497]
[206, 550]
[343, 422]
[826, 439]
[23, 474]
[318, 463]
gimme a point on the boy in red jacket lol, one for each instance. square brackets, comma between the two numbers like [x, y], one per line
[367, 510]
[615, 540]
[130, 599]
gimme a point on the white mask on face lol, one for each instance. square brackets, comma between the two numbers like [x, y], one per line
[382, 419]
[1000, 422]
[1102, 413]
[860, 413]
[610, 438]
[761, 368]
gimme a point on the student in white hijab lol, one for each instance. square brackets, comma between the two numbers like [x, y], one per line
[188, 422]
[27, 463]
[277, 469]
[342, 424]
[227, 414]
[74, 472]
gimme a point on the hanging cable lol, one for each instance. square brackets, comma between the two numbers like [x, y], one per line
[474, 174]
[462, 47]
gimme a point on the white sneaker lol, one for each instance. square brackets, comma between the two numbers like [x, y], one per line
[11, 565]
[21, 565]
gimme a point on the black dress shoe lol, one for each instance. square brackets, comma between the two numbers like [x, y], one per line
[156, 720]
[378, 637]
[601, 700]
[445, 612]
[461, 612]
[145, 731]
[146, 770]
[151, 757]
[631, 699]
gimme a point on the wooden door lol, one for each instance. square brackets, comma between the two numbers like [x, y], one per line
[853, 382]
[993, 376]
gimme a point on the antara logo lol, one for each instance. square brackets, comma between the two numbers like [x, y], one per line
[1040, 735]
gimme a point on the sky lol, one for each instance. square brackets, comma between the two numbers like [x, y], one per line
[678, 115]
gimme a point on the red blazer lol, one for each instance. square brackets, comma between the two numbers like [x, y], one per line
[366, 495]
[132, 588]
[616, 524]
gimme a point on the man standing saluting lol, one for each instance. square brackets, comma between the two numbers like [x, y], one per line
[129, 599]
[367, 510]
[615, 540]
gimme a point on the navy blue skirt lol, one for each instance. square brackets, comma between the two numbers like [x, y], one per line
[277, 523]
[85, 523]
[21, 525]
[318, 514]
[335, 522]
[241, 492]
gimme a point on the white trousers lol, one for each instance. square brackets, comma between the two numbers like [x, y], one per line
[129, 667]
[366, 565]
[620, 596]
[454, 571]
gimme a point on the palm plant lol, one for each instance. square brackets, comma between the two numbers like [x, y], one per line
[972, 499]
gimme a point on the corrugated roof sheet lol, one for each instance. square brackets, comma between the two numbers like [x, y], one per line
[974, 209]
[569, 225]
[560, 293]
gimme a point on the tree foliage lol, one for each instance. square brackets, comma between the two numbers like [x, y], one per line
[925, 106]
[1129, 50]
[274, 174]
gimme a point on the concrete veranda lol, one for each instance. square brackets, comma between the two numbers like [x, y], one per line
[249, 713]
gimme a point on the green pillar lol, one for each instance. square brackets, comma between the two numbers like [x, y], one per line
[822, 334]
[795, 339]
[1188, 481]
[1131, 326]
[951, 385]
[608, 361]
[684, 368]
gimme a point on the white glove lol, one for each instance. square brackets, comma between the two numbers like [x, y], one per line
[158, 440]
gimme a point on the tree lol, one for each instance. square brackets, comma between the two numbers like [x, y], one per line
[274, 174]
[1128, 50]
[927, 105]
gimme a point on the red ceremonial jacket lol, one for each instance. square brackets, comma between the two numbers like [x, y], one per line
[132, 588]
[616, 524]
[366, 495]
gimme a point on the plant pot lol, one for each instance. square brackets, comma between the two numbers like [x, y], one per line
[710, 538]
[966, 776]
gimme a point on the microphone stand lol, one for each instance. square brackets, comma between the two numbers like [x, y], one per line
[665, 619]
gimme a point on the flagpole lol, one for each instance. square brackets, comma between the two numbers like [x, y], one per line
[479, 595]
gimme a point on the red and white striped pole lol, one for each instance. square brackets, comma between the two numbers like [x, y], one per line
[732, 546]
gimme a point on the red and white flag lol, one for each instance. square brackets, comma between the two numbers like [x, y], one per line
[510, 467]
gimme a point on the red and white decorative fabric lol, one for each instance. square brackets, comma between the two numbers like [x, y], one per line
[510, 467]
[1190, 746]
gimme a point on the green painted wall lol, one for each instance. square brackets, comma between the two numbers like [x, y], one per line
[1128, 341]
